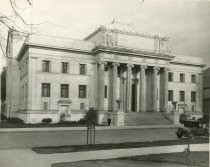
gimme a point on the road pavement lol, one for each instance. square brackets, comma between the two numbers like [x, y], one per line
[78, 137]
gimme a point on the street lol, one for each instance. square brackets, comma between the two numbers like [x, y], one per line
[78, 137]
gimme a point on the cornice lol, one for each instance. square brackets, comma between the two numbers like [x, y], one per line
[188, 64]
[129, 51]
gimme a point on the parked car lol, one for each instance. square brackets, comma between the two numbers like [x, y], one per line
[192, 128]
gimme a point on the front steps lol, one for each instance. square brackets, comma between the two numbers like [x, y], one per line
[147, 118]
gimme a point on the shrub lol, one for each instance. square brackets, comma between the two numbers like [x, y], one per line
[15, 120]
[81, 121]
[46, 120]
[91, 116]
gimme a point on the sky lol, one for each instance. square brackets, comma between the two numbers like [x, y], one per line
[186, 22]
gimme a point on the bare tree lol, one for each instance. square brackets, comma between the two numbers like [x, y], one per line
[15, 22]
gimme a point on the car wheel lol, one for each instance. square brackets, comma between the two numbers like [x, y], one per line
[179, 133]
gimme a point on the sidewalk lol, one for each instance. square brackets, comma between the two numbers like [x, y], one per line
[26, 157]
[8, 130]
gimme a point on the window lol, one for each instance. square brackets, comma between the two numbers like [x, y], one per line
[82, 106]
[45, 90]
[82, 68]
[182, 79]
[64, 90]
[45, 66]
[193, 96]
[181, 96]
[82, 91]
[45, 105]
[193, 79]
[105, 91]
[64, 67]
[170, 77]
[170, 95]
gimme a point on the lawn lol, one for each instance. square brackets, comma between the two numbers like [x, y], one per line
[77, 148]
[159, 160]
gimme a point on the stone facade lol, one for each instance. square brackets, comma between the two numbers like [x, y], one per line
[113, 70]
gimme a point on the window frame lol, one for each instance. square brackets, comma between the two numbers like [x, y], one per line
[62, 67]
[170, 95]
[193, 96]
[80, 69]
[193, 78]
[65, 89]
[43, 66]
[170, 80]
[182, 78]
[84, 94]
[182, 96]
[48, 91]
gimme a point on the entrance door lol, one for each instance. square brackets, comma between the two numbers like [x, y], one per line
[133, 100]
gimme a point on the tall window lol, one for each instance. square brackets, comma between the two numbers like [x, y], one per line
[82, 91]
[45, 66]
[105, 91]
[193, 96]
[170, 95]
[182, 78]
[181, 96]
[82, 69]
[64, 90]
[193, 79]
[64, 67]
[170, 77]
[45, 90]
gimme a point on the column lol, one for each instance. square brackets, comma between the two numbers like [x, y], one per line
[128, 88]
[114, 88]
[122, 89]
[165, 97]
[101, 86]
[155, 74]
[142, 89]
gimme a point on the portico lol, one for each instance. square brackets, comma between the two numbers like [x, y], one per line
[132, 87]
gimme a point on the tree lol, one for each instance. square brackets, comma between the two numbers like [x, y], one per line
[14, 21]
[3, 84]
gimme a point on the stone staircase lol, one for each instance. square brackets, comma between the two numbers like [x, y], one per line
[148, 118]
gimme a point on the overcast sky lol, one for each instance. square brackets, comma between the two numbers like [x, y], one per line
[186, 22]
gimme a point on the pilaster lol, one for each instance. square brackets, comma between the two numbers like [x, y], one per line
[166, 89]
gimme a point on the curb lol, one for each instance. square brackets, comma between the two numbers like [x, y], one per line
[52, 129]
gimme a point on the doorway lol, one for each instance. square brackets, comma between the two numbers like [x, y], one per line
[133, 99]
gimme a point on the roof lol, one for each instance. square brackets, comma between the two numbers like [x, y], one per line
[190, 60]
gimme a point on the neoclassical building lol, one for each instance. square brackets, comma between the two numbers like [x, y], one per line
[123, 74]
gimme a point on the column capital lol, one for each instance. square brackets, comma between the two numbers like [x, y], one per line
[156, 68]
[102, 62]
[130, 65]
[166, 69]
[115, 64]
[143, 67]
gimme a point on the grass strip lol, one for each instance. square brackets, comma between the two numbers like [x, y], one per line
[78, 148]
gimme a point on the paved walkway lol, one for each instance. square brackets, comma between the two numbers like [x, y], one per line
[26, 157]
[49, 129]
